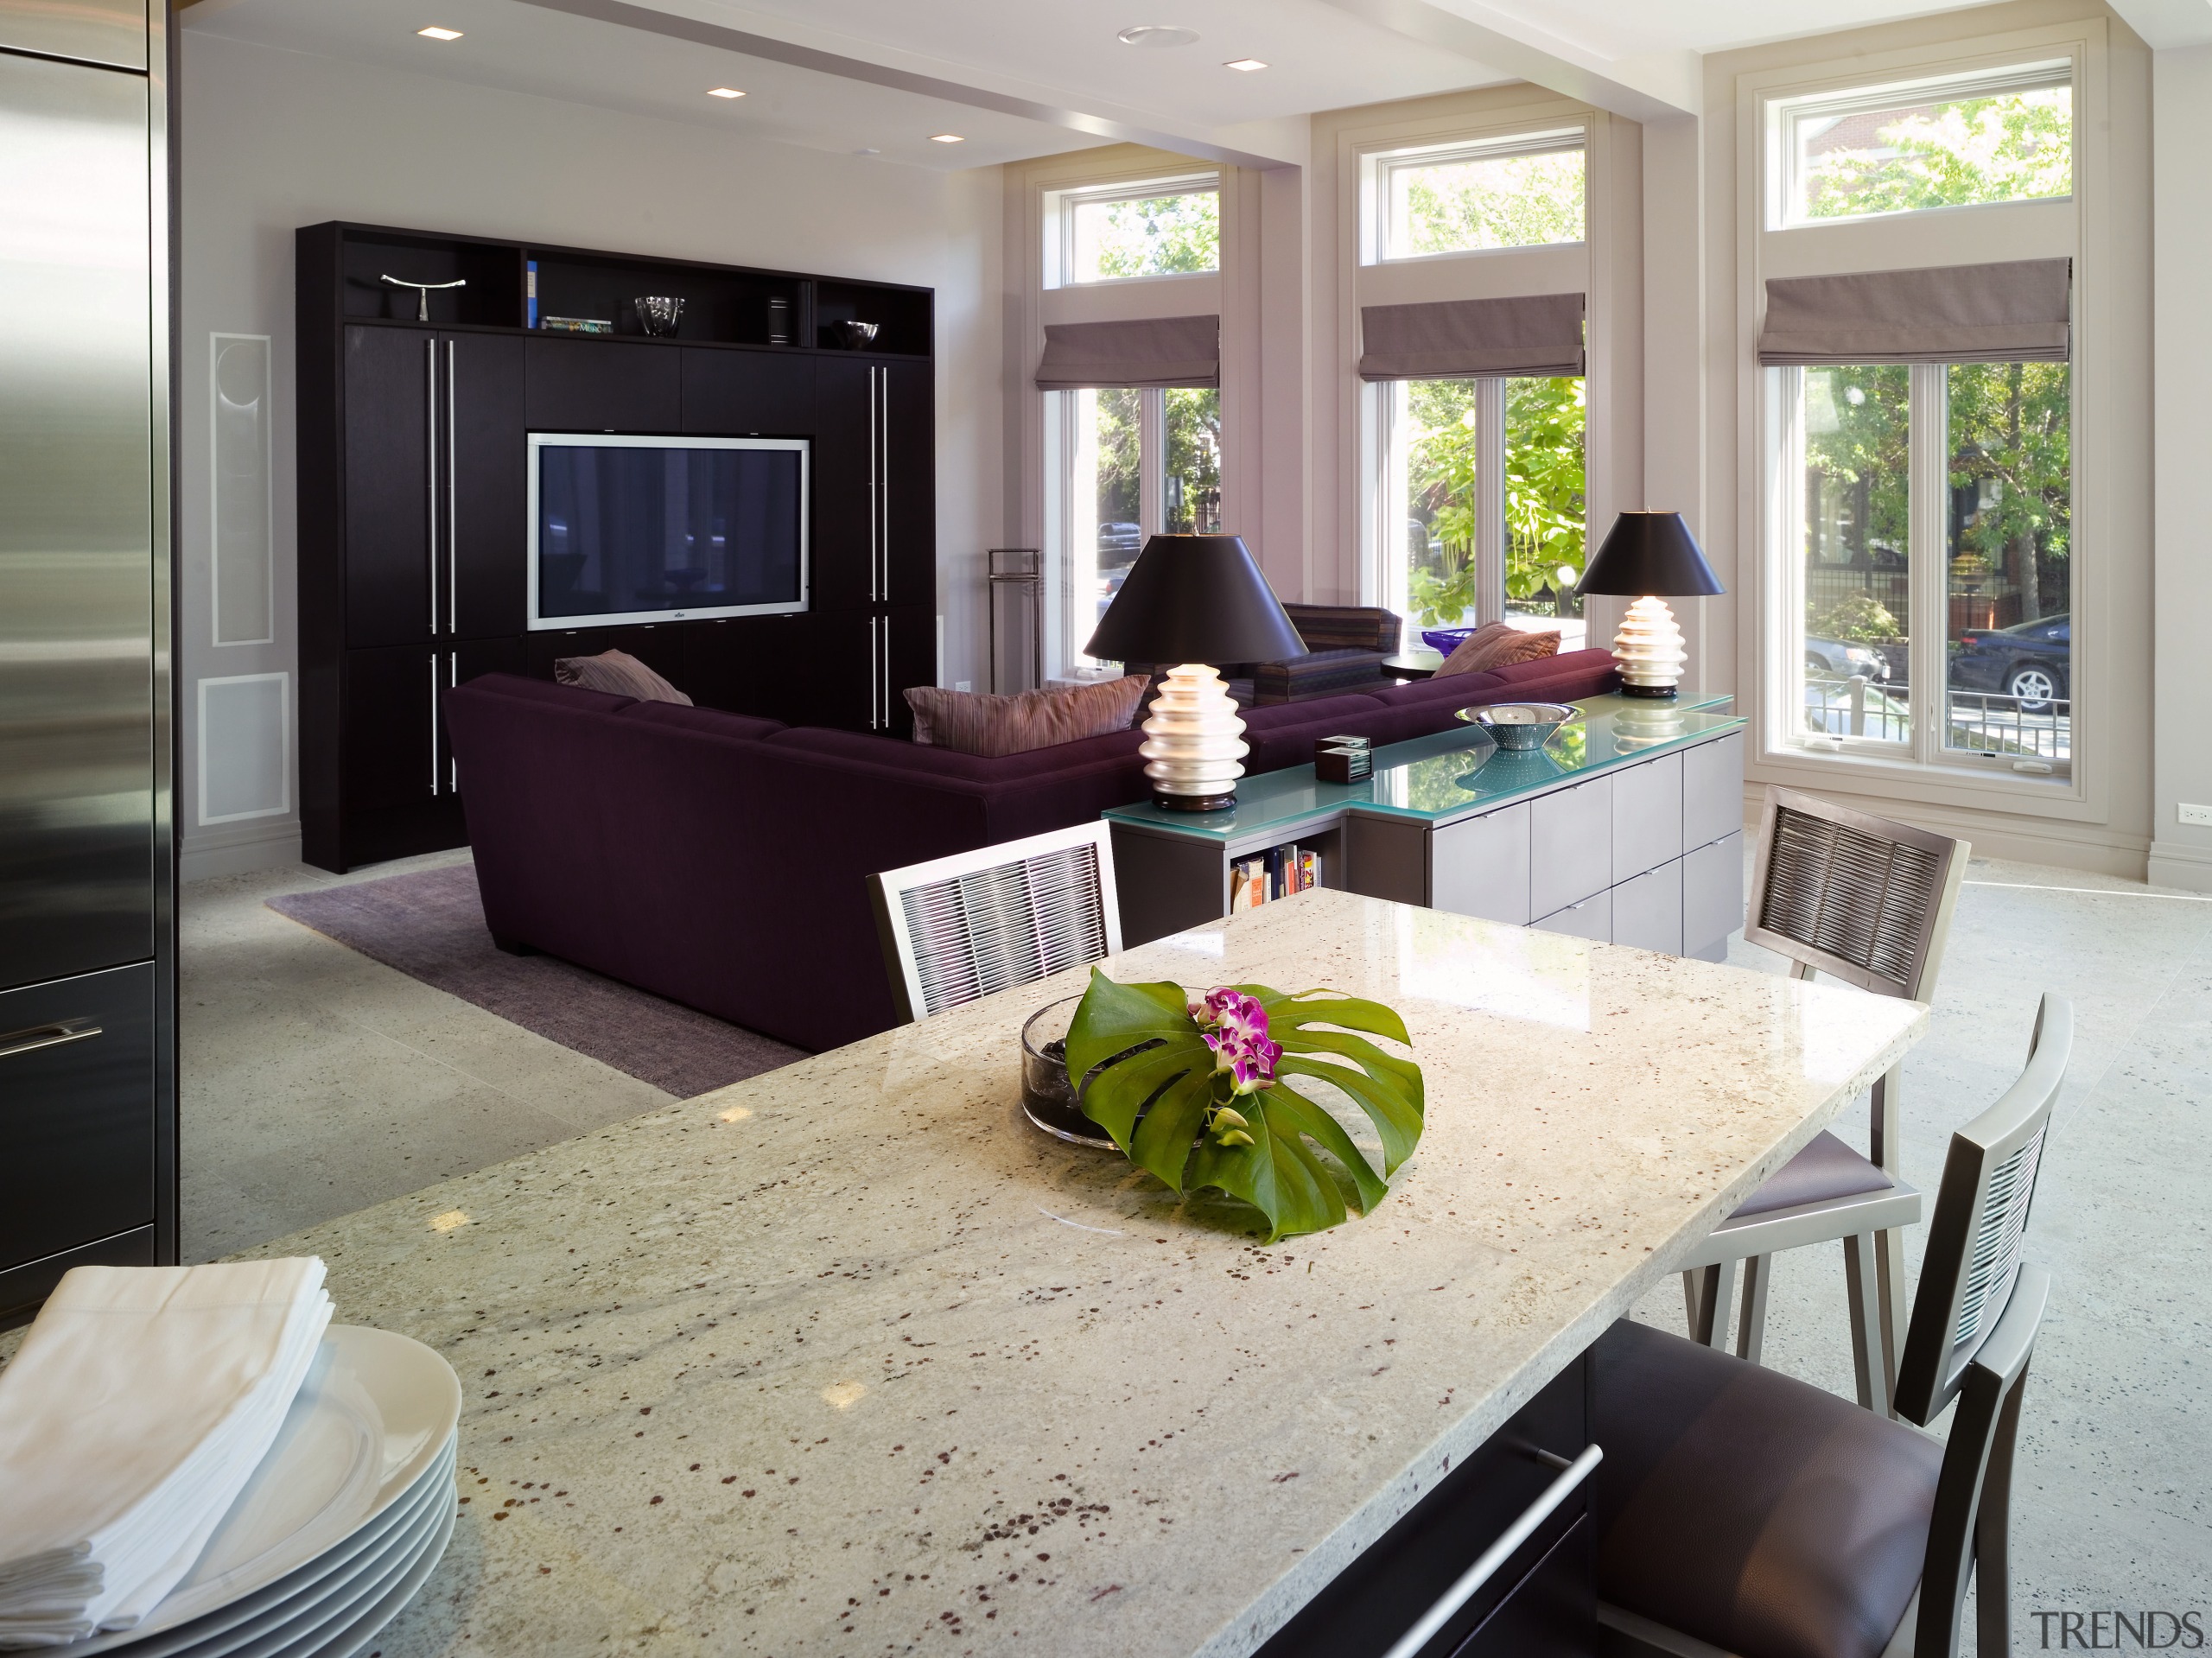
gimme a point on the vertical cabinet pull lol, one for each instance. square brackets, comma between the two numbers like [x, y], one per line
[433, 723]
[430, 348]
[875, 684]
[886, 673]
[875, 495]
[452, 508]
[453, 678]
[882, 440]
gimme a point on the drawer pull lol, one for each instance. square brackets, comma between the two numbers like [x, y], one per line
[1498, 1552]
[47, 1036]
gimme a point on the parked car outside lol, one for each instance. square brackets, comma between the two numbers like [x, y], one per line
[2032, 662]
[1832, 656]
[1119, 544]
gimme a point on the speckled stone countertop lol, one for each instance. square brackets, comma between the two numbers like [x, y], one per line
[848, 1359]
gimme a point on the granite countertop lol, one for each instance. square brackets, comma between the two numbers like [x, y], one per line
[848, 1359]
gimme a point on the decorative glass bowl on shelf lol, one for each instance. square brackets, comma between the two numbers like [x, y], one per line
[1519, 726]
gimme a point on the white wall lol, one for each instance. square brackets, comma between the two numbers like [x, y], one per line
[273, 140]
[2180, 854]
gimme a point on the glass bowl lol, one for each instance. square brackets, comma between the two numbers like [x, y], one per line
[1047, 1097]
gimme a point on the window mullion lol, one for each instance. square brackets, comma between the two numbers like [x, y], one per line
[1928, 496]
[1151, 460]
[1489, 500]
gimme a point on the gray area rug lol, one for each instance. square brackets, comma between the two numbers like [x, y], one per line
[429, 924]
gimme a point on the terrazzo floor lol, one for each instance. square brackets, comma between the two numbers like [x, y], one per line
[317, 1082]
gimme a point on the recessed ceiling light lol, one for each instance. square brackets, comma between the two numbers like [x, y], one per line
[1246, 64]
[437, 34]
[724, 91]
[1158, 34]
[946, 139]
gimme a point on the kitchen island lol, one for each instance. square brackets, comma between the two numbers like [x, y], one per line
[849, 1359]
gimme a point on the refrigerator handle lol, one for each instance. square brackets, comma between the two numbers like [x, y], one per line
[433, 723]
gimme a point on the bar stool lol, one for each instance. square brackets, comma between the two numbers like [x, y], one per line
[956, 928]
[1869, 901]
[1742, 1514]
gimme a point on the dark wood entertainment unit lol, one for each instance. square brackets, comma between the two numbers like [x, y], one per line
[413, 491]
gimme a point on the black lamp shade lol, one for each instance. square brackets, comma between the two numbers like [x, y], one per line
[1195, 599]
[1651, 553]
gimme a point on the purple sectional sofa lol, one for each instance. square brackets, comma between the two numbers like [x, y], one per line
[721, 861]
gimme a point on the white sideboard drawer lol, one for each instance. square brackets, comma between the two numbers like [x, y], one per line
[1592, 919]
[1570, 845]
[1712, 791]
[1713, 897]
[1480, 867]
[1647, 817]
[1648, 910]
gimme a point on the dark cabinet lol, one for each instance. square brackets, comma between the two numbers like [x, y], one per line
[391, 380]
[414, 486]
[747, 394]
[909, 444]
[485, 538]
[77, 1114]
[605, 386]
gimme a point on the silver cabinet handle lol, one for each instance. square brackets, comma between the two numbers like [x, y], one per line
[875, 493]
[884, 495]
[430, 347]
[61, 1032]
[1498, 1554]
[434, 722]
[452, 508]
[453, 678]
[875, 684]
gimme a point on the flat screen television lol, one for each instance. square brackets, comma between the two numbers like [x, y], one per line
[626, 529]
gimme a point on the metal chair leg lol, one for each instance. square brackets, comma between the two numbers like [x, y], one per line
[1859, 1275]
[1993, 1527]
[1751, 1328]
[1706, 1292]
[1889, 1271]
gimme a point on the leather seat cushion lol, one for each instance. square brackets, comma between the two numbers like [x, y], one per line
[1825, 1169]
[1749, 1509]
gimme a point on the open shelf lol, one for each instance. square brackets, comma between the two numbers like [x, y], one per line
[492, 271]
[723, 305]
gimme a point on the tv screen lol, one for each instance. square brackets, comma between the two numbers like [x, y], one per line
[653, 528]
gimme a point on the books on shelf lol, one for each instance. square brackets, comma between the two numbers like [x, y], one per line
[1277, 873]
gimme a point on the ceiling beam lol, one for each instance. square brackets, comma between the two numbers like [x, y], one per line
[2167, 23]
[1658, 86]
[1262, 144]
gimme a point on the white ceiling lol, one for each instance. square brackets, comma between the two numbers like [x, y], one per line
[1025, 78]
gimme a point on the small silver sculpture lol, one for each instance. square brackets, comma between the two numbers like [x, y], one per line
[423, 288]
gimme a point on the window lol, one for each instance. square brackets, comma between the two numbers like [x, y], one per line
[1527, 191]
[1136, 462]
[1156, 227]
[1954, 143]
[1448, 559]
[1943, 566]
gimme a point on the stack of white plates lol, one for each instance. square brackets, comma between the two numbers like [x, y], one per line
[340, 1526]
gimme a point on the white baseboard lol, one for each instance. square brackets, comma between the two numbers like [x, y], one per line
[2186, 867]
[239, 849]
[2015, 839]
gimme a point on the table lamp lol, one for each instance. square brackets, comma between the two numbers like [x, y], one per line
[1195, 601]
[1647, 554]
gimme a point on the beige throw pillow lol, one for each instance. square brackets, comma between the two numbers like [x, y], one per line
[619, 674]
[1497, 644]
[976, 722]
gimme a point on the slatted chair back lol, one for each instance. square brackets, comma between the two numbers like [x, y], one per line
[959, 928]
[1863, 897]
[1981, 1216]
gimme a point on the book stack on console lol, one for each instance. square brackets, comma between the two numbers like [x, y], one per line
[1343, 760]
[1277, 873]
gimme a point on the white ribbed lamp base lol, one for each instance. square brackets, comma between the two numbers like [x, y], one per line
[1194, 742]
[1648, 650]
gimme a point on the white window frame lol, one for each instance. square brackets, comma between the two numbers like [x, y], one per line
[1783, 115]
[1059, 224]
[1376, 167]
[1772, 527]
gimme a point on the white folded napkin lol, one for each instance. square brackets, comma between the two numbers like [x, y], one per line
[140, 1404]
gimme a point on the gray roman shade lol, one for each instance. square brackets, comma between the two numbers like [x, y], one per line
[1150, 351]
[2010, 313]
[1529, 334]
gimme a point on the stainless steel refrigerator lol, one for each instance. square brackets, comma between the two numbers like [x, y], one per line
[87, 901]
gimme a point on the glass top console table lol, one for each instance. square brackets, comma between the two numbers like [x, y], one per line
[1626, 826]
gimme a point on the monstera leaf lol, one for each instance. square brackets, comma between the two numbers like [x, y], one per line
[1168, 1094]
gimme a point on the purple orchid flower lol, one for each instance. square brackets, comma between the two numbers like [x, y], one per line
[1235, 1027]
